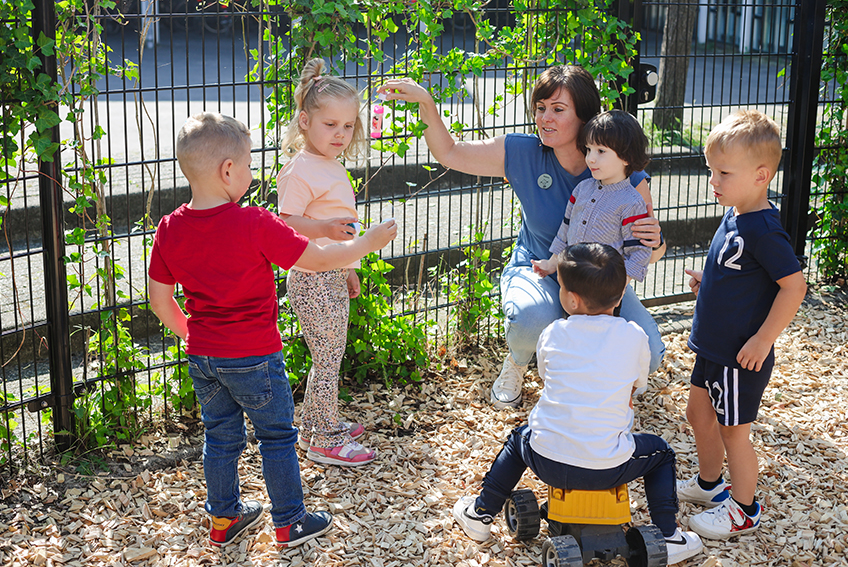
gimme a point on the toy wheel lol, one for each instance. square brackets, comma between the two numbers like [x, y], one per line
[561, 551]
[647, 547]
[522, 515]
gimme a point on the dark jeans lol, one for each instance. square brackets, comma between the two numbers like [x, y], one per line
[229, 388]
[652, 460]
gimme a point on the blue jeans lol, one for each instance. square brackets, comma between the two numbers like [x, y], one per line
[531, 303]
[652, 460]
[257, 386]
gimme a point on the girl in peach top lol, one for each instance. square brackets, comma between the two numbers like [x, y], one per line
[317, 199]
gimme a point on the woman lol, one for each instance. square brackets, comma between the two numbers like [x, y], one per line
[542, 169]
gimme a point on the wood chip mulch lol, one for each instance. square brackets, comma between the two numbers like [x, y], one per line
[435, 445]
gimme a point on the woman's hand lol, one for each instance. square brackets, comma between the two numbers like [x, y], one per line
[648, 230]
[474, 157]
[404, 89]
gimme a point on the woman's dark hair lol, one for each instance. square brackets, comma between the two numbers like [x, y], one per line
[577, 81]
[621, 133]
[595, 272]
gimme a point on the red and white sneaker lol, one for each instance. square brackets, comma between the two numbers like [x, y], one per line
[351, 454]
[727, 520]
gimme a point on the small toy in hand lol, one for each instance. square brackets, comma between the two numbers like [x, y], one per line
[377, 118]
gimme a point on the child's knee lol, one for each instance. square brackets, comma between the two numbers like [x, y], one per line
[736, 435]
[699, 410]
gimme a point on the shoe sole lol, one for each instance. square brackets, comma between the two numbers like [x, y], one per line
[709, 534]
[689, 553]
[238, 535]
[473, 534]
[319, 458]
[712, 503]
[304, 539]
[498, 404]
[707, 503]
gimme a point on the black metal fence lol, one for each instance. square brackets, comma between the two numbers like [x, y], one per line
[199, 56]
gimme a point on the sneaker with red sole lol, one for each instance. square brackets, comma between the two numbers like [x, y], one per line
[225, 530]
[354, 429]
[308, 527]
[351, 454]
[727, 520]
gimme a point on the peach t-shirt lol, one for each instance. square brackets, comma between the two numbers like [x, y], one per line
[318, 188]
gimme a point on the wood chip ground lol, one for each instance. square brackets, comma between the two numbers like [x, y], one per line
[435, 445]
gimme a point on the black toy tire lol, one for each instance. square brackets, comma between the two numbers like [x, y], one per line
[522, 515]
[561, 551]
[647, 547]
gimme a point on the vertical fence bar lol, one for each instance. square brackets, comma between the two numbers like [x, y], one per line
[630, 11]
[55, 280]
[801, 130]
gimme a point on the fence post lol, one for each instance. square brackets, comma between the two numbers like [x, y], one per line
[53, 234]
[801, 128]
[630, 12]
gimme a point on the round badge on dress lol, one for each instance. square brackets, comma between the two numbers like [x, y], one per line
[545, 181]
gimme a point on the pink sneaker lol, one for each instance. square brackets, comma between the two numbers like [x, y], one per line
[355, 430]
[351, 455]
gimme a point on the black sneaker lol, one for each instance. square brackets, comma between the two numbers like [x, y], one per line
[310, 526]
[226, 530]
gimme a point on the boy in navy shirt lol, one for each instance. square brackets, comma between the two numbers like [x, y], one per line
[749, 291]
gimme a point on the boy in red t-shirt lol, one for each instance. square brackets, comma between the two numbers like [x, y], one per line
[222, 255]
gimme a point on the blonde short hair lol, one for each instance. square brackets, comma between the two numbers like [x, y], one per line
[314, 91]
[751, 131]
[207, 139]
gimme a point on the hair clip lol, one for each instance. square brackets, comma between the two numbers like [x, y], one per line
[318, 79]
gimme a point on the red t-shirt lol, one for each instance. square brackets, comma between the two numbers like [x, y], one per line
[222, 258]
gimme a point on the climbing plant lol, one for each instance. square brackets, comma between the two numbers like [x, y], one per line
[829, 235]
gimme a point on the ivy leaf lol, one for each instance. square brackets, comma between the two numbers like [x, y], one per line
[46, 44]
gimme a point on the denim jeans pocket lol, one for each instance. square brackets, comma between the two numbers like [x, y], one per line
[250, 386]
[204, 388]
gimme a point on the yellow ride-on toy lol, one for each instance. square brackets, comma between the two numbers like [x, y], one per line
[584, 525]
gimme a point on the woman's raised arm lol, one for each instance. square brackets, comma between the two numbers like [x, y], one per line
[477, 157]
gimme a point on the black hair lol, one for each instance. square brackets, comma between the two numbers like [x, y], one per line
[595, 272]
[621, 133]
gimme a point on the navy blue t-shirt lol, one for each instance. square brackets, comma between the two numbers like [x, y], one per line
[543, 187]
[748, 254]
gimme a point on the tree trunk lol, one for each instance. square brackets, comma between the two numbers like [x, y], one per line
[674, 64]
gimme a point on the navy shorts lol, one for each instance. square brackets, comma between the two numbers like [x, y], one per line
[734, 392]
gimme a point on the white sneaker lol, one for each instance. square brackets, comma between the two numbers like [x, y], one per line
[478, 528]
[682, 545]
[728, 520]
[506, 391]
[691, 491]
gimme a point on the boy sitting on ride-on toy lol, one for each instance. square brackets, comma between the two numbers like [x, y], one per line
[578, 435]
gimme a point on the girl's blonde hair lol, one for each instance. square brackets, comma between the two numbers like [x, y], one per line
[314, 91]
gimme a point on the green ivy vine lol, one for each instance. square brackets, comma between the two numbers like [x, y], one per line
[830, 168]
